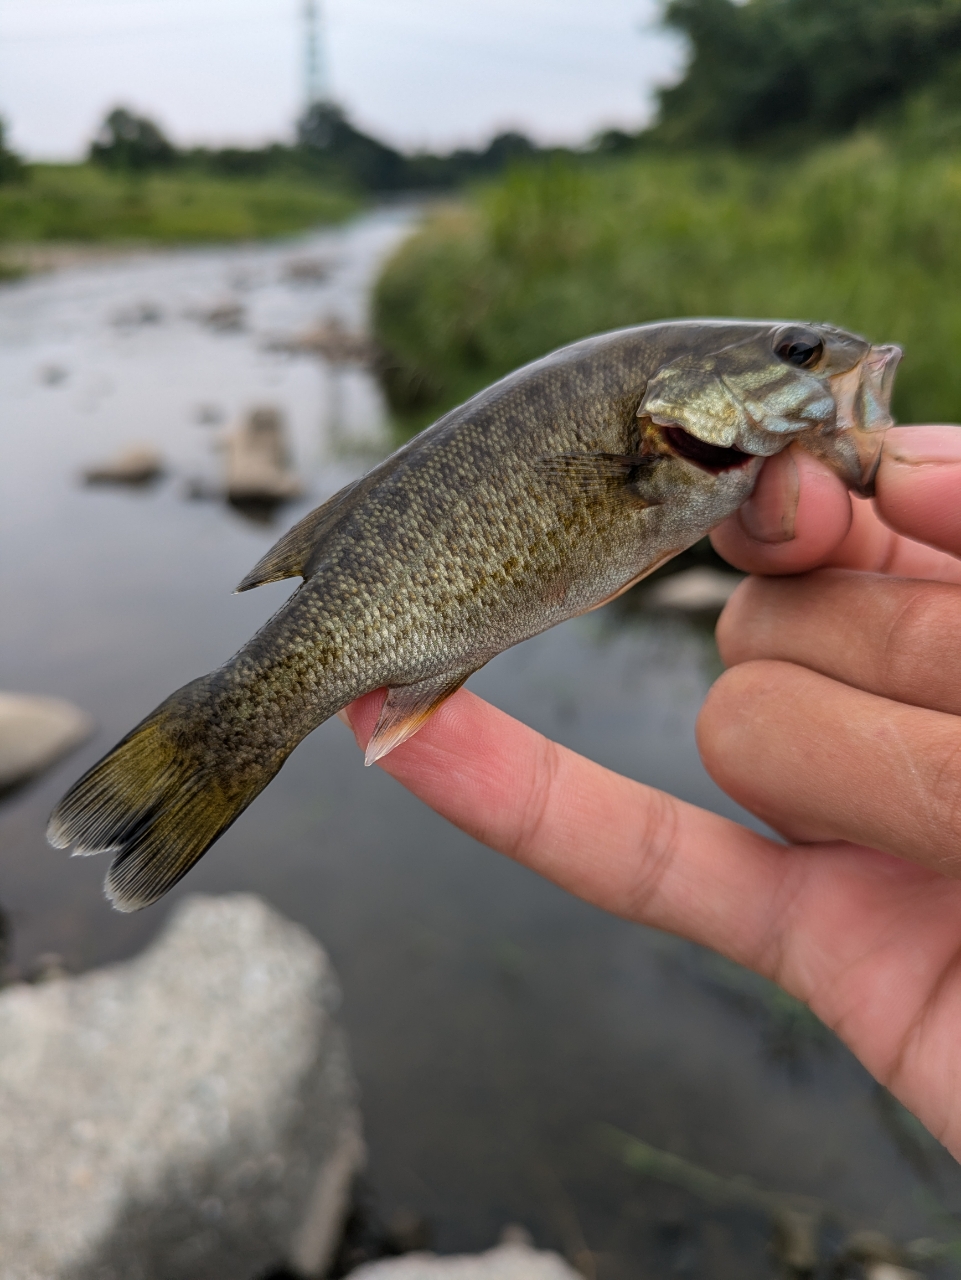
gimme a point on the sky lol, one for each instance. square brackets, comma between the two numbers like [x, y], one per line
[418, 73]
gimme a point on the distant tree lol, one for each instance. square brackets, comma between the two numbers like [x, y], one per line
[11, 166]
[802, 69]
[506, 148]
[132, 143]
[614, 142]
[325, 133]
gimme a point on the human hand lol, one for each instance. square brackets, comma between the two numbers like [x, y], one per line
[837, 723]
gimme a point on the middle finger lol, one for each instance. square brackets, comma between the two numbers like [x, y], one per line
[896, 637]
[820, 761]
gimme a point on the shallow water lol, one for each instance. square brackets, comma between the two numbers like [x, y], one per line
[497, 1024]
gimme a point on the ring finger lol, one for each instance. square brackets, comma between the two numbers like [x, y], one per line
[895, 637]
[819, 760]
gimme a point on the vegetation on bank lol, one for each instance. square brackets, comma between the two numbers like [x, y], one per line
[862, 233]
[138, 186]
[87, 202]
[806, 164]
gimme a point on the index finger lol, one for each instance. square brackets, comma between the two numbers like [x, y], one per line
[912, 528]
[623, 846]
[837, 925]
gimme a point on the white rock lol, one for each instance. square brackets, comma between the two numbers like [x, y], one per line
[35, 732]
[187, 1115]
[694, 590]
[259, 467]
[136, 465]
[889, 1271]
[506, 1262]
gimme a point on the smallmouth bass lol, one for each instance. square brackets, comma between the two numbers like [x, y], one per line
[541, 498]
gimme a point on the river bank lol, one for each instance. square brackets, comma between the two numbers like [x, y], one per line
[51, 213]
[858, 234]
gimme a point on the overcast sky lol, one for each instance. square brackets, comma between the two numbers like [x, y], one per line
[431, 73]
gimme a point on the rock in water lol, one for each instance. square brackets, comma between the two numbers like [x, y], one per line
[698, 590]
[187, 1115]
[136, 466]
[258, 461]
[506, 1262]
[34, 733]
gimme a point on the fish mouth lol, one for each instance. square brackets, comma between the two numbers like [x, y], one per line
[848, 441]
[709, 457]
[862, 396]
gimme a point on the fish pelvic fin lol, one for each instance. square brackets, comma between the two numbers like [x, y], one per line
[406, 709]
[291, 555]
[158, 800]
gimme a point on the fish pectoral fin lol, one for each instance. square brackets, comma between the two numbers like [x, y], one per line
[406, 709]
[289, 557]
[596, 471]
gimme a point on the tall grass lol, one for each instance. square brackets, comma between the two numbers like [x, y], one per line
[864, 235]
[86, 203]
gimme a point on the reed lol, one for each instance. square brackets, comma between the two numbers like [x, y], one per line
[865, 234]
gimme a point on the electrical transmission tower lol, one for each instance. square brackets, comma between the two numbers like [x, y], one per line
[314, 63]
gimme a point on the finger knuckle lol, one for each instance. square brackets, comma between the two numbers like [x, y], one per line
[657, 842]
[916, 635]
[539, 803]
[944, 816]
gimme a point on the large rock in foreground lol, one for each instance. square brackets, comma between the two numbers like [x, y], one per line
[506, 1262]
[187, 1115]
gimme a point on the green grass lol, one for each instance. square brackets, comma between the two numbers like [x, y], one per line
[862, 234]
[87, 204]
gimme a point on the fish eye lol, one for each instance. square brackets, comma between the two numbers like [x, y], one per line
[803, 350]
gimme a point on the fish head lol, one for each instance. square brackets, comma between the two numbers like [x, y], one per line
[726, 402]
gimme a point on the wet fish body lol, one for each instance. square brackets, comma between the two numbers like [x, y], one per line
[539, 499]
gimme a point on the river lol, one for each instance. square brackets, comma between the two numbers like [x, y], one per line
[497, 1024]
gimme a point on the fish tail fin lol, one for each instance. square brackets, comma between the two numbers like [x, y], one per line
[160, 798]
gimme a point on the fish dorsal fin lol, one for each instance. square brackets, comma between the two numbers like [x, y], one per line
[290, 556]
[406, 709]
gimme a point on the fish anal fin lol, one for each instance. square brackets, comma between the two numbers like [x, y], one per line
[290, 556]
[406, 709]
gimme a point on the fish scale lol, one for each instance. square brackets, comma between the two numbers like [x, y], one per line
[542, 497]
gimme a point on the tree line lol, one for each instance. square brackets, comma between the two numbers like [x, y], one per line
[327, 146]
[800, 71]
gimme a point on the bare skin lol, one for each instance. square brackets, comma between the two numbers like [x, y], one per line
[859, 915]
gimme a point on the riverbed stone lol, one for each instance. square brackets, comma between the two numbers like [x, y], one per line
[510, 1261]
[697, 590]
[138, 465]
[187, 1115]
[259, 466]
[34, 733]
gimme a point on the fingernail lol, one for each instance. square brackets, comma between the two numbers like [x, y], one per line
[770, 512]
[920, 446]
[344, 718]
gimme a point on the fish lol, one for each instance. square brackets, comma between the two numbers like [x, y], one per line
[540, 498]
